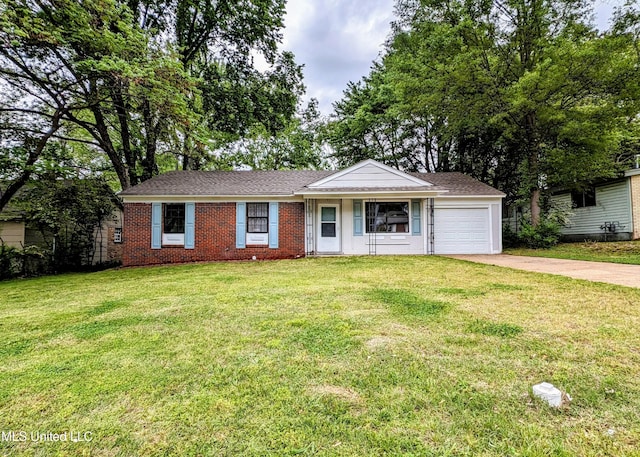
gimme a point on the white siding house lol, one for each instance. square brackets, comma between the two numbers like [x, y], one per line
[370, 208]
[608, 214]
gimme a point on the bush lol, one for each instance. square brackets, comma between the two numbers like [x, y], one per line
[28, 261]
[9, 265]
[510, 238]
[544, 236]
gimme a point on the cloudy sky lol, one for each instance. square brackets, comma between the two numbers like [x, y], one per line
[337, 40]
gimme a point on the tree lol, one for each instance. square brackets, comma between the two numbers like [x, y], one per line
[299, 146]
[68, 212]
[522, 94]
[140, 78]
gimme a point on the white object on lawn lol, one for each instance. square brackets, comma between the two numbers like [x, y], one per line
[550, 393]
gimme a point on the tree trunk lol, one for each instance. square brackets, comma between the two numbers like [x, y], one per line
[535, 207]
[121, 109]
[34, 154]
[149, 167]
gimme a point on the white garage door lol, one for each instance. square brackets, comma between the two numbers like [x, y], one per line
[462, 231]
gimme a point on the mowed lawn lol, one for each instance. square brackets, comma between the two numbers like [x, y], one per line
[613, 252]
[350, 356]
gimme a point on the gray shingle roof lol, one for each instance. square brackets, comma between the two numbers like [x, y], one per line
[227, 183]
[283, 183]
[458, 184]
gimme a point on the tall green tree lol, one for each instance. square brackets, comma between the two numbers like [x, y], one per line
[136, 79]
[523, 94]
[299, 146]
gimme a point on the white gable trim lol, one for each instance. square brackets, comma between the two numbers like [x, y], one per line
[411, 179]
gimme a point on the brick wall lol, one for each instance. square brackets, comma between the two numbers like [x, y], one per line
[114, 250]
[635, 205]
[215, 236]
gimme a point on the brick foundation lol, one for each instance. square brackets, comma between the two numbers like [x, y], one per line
[215, 236]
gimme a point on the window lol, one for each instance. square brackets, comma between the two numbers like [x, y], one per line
[117, 235]
[173, 223]
[391, 217]
[174, 218]
[583, 199]
[257, 224]
[257, 217]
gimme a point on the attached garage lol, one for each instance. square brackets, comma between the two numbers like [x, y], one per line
[462, 231]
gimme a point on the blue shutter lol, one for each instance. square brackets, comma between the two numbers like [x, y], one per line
[273, 225]
[241, 225]
[357, 218]
[156, 225]
[415, 217]
[190, 225]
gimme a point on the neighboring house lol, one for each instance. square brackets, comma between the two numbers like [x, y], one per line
[12, 230]
[607, 210]
[108, 240]
[369, 208]
[15, 232]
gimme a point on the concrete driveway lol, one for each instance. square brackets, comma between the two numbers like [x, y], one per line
[612, 273]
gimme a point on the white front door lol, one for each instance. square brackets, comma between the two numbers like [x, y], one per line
[328, 228]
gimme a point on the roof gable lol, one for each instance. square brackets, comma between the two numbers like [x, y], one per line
[368, 174]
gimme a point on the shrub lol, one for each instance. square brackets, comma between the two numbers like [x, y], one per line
[510, 238]
[28, 261]
[543, 236]
[8, 261]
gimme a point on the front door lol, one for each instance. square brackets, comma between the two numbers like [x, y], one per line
[329, 228]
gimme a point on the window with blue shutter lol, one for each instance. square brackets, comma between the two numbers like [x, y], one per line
[273, 224]
[358, 220]
[241, 225]
[416, 217]
[189, 226]
[156, 225]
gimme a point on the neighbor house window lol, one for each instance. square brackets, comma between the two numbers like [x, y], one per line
[173, 223]
[390, 217]
[117, 235]
[584, 199]
[257, 217]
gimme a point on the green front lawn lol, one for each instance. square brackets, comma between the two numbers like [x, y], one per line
[340, 356]
[616, 252]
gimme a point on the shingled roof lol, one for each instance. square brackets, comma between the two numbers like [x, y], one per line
[282, 183]
[227, 183]
[458, 184]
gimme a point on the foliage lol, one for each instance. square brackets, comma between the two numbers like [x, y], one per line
[299, 146]
[8, 257]
[322, 364]
[67, 213]
[524, 96]
[27, 261]
[510, 238]
[542, 236]
[133, 81]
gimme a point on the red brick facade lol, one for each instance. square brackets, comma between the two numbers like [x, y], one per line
[215, 236]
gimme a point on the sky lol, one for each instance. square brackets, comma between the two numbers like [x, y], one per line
[337, 40]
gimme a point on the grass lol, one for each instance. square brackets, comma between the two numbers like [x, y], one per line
[627, 252]
[353, 356]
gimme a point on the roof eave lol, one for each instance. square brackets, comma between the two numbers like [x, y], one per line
[316, 193]
[175, 197]
[501, 195]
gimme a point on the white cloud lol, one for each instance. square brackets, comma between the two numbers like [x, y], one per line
[338, 40]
